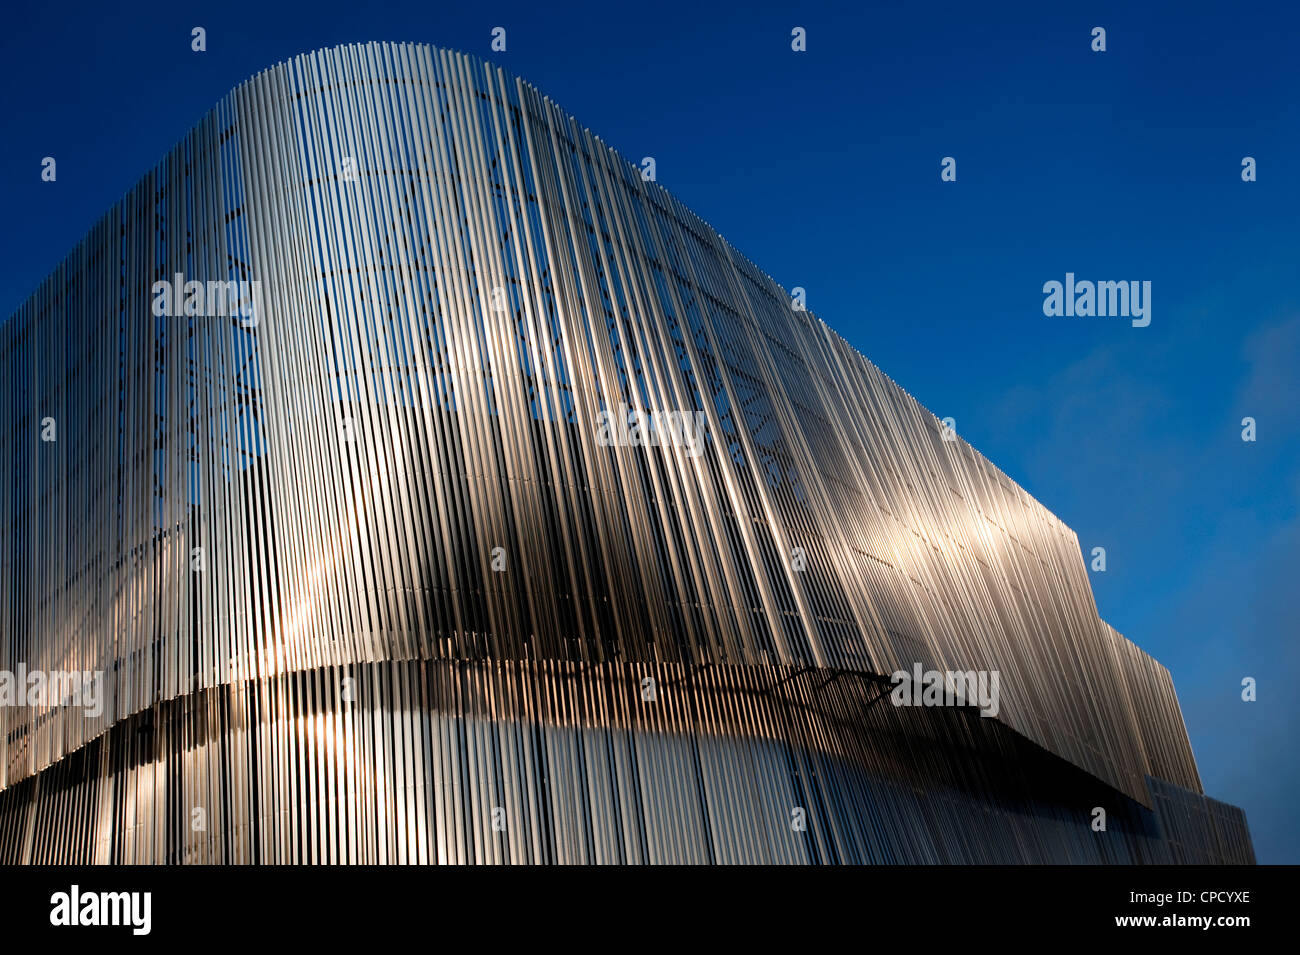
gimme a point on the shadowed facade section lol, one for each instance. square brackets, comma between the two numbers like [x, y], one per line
[395, 467]
[442, 761]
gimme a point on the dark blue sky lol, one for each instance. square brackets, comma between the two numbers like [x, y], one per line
[823, 167]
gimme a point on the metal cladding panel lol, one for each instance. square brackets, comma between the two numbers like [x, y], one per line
[1197, 829]
[559, 762]
[400, 456]
[1156, 713]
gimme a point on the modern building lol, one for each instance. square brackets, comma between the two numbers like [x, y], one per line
[412, 479]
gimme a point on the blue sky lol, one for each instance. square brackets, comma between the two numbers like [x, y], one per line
[823, 167]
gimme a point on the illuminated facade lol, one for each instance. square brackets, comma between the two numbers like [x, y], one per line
[313, 464]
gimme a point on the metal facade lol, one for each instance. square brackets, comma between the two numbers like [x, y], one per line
[361, 570]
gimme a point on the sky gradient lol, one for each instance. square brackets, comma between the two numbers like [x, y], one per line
[824, 168]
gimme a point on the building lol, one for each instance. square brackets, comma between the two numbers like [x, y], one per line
[427, 485]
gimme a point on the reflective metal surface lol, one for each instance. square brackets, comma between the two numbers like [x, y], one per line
[394, 475]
